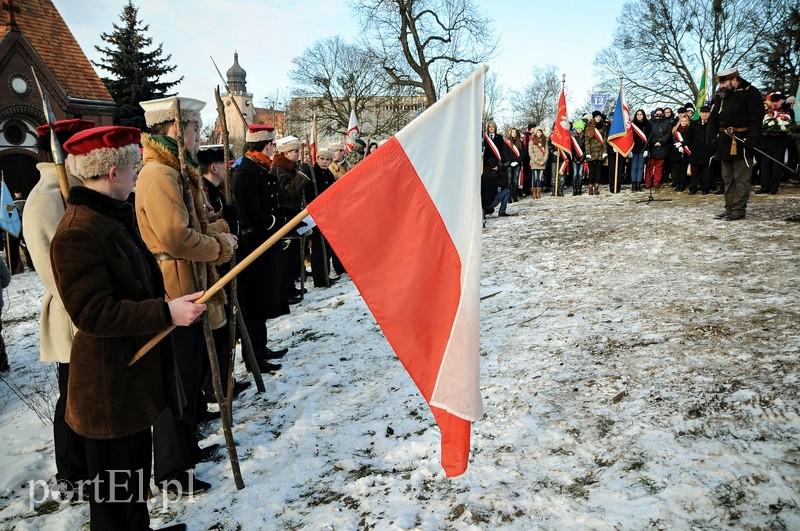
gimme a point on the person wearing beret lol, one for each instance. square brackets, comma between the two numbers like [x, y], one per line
[737, 111]
[112, 290]
[174, 224]
[43, 211]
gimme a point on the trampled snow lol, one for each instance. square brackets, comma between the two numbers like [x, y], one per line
[639, 371]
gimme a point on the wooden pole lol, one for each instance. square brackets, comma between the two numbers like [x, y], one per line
[558, 169]
[230, 275]
[616, 170]
[216, 382]
[247, 347]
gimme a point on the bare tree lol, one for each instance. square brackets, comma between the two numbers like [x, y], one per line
[334, 77]
[538, 100]
[426, 45]
[660, 46]
[494, 96]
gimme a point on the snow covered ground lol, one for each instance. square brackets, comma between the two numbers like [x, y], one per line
[639, 371]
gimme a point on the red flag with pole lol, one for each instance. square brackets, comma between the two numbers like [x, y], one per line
[561, 138]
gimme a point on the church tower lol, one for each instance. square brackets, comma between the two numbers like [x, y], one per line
[237, 86]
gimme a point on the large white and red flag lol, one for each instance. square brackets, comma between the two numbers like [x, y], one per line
[406, 224]
[353, 132]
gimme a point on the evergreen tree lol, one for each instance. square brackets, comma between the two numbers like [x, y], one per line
[135, 72]
[780, 69]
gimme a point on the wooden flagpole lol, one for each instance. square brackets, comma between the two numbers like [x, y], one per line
[216, 382]
[247, 347]
[230, 275]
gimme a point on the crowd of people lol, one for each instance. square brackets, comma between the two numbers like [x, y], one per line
[685, 148]
[118, 267]
[145, 230]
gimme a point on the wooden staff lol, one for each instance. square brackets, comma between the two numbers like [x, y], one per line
[234, 309]
[209, 338]
[230, 275]
[616, 169]
[559, 155]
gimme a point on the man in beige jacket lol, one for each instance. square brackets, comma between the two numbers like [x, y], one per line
[180, 239]
[43, 211]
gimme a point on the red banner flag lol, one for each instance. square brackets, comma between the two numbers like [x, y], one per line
[561, 138]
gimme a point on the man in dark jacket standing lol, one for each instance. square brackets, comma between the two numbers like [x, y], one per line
[737, 111]
[702, 151]
[112, 290]
[262, 290]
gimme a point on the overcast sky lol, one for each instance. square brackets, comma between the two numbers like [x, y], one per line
[268, 34]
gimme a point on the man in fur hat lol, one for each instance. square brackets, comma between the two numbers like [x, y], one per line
[737, 111]
[112, 290]
[180, 237]
[43, 212]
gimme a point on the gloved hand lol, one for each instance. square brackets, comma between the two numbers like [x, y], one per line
[644, 154]
[588, 156]
[605, 155]
[677, 145]
[514, 164]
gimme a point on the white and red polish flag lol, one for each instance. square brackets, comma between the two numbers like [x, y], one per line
[406, 224]
[353, 132]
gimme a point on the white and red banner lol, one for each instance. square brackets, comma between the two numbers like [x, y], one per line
[417, 261]
[353, 132]
[492, 146]
[312, 145]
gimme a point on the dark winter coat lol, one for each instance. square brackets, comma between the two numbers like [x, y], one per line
[489, 158]
[324, 180]
[112, 290]
[640, 145]
[291, 184]
[262, 286]
[662, 135]
[678, 153]
[698, 141]
[739, 108]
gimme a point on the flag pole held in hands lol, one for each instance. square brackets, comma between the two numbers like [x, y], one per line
[230, 275]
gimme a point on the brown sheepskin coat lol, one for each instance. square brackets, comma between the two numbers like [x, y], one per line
[112, 291]
[164, 224]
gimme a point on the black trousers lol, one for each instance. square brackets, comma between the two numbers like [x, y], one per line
[771, 173]
[70, 447]
[700, 179]
[122, 505]
[320, 258]
[595, 171]
[221, 344]
[679, 174]
[175, 447]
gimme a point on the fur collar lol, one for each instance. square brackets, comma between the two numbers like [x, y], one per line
[259, 158]
[280, 161]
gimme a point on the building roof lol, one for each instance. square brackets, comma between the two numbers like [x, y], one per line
[42, 25]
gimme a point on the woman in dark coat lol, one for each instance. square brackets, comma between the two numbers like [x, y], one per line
[112, 290]
[640, 135]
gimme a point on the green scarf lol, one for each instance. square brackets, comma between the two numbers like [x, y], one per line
[170, 144]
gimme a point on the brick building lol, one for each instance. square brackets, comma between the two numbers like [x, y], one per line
[32, 33]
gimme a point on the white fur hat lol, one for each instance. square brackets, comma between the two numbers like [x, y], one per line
[163, 110]
[287, 143]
